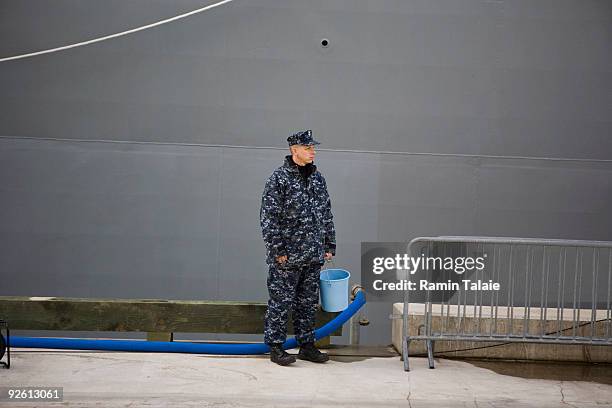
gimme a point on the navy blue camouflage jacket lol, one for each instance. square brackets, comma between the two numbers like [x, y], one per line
[296, 218]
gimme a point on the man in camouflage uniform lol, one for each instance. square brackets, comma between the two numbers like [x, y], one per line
[298, 229]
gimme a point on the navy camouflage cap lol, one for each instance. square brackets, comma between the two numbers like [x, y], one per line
[303, 137]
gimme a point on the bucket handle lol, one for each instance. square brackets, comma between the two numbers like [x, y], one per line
[331, 261]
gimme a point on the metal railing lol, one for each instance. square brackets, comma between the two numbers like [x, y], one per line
[550, 291]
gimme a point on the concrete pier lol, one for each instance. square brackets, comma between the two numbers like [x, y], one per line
[352, 378]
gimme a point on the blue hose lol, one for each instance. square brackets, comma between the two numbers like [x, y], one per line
[183, 347]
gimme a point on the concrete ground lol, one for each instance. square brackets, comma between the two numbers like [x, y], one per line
[115, 379]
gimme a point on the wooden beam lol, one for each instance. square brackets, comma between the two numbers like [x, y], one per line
[323, 343]
[160, 336]
[142, 315]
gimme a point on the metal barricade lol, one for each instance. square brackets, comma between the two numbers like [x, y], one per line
[550, 291]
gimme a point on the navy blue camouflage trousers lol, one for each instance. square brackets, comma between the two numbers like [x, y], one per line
[296, 290]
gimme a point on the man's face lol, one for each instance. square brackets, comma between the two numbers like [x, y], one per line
[304, 153]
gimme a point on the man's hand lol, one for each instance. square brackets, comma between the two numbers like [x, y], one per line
[328, 256]
[281, 259]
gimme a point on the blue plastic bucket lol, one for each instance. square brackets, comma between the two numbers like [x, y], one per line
[334, 289]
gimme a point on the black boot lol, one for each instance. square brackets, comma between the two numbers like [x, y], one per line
[280, 356]
[309, 352]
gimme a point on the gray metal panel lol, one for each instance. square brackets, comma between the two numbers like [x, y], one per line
[148, 222]
[548, 199]
[503, 78]
[507, 78]
[108, 220]
[242, 269]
